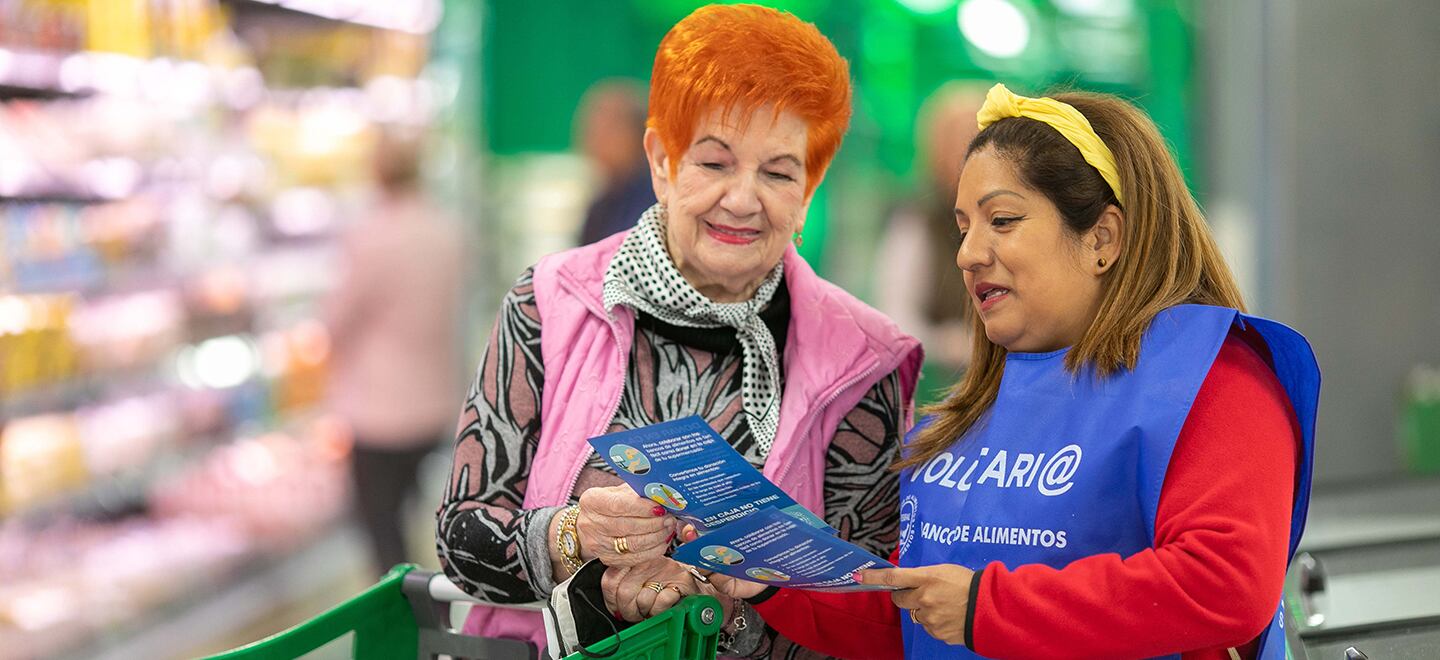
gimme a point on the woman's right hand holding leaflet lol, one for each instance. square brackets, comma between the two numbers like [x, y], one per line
[621, 528]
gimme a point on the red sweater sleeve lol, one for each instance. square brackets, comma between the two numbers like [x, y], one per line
[1217, 570]
[861, 625]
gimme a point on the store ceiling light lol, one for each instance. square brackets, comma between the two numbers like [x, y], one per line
[996, 27]
[927, 6]
[1097, 8]
[15, 316]
[219, 363]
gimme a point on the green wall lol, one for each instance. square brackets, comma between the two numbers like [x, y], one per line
[539, 57]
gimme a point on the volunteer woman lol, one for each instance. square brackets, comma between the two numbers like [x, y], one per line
[703, 308]
[1124, 472]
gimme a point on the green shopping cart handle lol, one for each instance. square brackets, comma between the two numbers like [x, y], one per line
[380, 618]
[688, 631]
[405, 615]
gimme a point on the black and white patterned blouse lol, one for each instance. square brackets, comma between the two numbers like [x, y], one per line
[499, 551]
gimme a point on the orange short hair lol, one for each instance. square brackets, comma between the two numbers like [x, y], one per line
[743, 57]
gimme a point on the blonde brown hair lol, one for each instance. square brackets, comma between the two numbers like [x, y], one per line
[1167, 255]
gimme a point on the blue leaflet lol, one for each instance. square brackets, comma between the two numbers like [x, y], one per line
[773, 548]
[751, 528]
[685, 466]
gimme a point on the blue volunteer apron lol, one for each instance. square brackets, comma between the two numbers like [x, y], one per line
[1025, 485]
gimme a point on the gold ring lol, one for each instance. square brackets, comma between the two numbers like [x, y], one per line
[622, 545]
[913, 619]
[655, 587]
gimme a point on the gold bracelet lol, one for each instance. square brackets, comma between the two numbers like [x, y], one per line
[567, 539]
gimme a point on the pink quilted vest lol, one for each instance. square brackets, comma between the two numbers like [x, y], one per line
[837, 349]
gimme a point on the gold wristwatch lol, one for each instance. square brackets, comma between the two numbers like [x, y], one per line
[567, 539]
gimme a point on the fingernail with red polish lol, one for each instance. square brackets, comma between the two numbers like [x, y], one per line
[616, 615]
[691, 535]
[670, 538]
[857, 577]
[658, 511]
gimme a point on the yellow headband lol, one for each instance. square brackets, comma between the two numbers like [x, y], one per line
[1001, 103]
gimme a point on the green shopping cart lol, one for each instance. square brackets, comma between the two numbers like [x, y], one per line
[407, 615]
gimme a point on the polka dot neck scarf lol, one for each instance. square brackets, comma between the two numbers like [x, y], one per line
[642, 276]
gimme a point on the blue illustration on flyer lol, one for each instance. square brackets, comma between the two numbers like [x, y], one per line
[686, 467]
[749, 527]
[775, 548]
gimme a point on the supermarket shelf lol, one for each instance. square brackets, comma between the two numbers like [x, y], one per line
[127, 490]
[34, 74]
[237, 586]
[29, 73]
[105, 281]
[69, 395]
[48, 398]
[51, 75]
[8, 91]
[124, 491]
[413, 16]
[229, 605]
[50, 198]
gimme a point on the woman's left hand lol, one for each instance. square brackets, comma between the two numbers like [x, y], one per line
[937, 596]
[626, 592]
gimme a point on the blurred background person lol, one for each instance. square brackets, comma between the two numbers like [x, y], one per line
[917, 283]
[609, 128]
[393, 322]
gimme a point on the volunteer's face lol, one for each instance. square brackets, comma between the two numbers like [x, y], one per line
[1033, 284]
[734, 201]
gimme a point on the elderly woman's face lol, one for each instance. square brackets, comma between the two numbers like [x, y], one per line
[734, 201]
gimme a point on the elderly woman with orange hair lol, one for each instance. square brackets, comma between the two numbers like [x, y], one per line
[703, 308]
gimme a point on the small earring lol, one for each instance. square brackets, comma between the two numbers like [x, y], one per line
[798, 239]
[1101, 262]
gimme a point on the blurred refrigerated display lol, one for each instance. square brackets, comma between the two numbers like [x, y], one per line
[173, 175]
